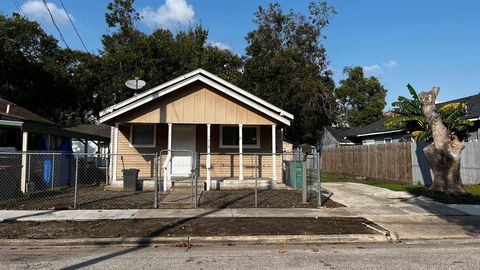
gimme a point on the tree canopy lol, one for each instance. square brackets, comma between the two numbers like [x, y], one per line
[361, 99]
[287, 65]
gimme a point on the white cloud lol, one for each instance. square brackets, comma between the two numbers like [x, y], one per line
[390, 65]
[35, 10]
[373, 69]
[170, 13]
[378, 69]
[220, 45]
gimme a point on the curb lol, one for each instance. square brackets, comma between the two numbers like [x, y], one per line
[202, 240]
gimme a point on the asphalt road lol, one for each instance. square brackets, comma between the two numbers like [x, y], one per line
[450, 255]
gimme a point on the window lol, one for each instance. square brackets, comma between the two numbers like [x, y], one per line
[229, 137]
[142, 135]
[387, 140]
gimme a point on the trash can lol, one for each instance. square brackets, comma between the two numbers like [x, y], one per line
[130, 177]
[296, 174]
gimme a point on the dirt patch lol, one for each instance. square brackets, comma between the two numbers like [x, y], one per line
[266, 198]
[88, 197]
[184, 227]
[96, 197]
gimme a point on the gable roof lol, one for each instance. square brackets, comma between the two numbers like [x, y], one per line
[206, 77]
[16, 112]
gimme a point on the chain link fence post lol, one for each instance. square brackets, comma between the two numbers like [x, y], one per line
[196, 173]
[319, 179]
[155, 200]
[256, 180]
[76, 183]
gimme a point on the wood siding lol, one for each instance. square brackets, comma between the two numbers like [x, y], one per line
[197, 103]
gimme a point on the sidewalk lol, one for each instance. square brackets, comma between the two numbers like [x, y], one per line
[403, 215]
[409, 217]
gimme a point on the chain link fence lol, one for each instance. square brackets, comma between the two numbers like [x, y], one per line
[169, 179]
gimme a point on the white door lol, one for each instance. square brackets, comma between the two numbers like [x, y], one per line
[183, 138]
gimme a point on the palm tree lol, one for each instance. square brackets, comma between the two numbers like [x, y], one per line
[407, 113]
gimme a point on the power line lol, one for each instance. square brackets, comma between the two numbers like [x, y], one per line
[55, 24]
[19, 8]
[75, 28]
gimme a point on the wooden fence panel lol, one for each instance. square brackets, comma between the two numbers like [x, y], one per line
[390, 162]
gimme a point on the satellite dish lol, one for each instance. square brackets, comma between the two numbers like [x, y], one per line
[135, 83]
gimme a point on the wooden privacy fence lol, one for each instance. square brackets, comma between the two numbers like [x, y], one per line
[391, 162]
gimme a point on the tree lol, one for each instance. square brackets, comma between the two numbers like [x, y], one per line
[407, 113]
[443, 127]
[157, 57]
[361, 99]
[287, 65]
[36, 72]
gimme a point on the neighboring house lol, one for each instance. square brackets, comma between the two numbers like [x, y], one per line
[200, 113]
[335, 136]
[90, 146]
[377, 133]
[24, 131]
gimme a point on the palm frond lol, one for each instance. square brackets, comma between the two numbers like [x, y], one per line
[452, 106]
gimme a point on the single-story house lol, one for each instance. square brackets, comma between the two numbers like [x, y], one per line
[24, 131]
[89, 146]
[197, 113]
[377, 133]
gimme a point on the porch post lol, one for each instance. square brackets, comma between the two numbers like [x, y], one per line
[240, 150]
[115, 152]
[209, 180]
[23, 181]
[274, 151]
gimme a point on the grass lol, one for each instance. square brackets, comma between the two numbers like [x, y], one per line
[418, 190]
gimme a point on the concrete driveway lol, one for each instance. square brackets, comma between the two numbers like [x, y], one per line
[403, 214]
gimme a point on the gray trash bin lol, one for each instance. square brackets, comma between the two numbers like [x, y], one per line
[130, 178]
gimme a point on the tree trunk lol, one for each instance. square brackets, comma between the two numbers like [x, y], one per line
[443, 155]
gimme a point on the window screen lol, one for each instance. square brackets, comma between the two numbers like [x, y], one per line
[142, 135]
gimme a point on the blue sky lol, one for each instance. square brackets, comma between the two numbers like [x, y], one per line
[422, 42]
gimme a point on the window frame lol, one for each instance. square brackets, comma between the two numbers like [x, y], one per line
[248, 146]
[130, 140]
[387, 138]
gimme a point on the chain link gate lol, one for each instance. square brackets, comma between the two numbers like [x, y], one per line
[177, 183]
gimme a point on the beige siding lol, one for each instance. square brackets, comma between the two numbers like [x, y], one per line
[195, 104]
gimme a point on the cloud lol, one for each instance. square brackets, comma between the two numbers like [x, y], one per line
[170, 13]
[35, 10]
[390, 65]
[220, 45]
[378, 69]
[373, 69]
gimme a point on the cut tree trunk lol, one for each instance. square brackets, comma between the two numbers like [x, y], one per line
[443, 155]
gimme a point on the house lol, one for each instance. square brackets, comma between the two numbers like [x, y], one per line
[335, 136]
[377, 133]
[197, 113]
[24, 131]
[91, 147]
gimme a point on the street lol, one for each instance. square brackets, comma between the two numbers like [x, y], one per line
[427, 255]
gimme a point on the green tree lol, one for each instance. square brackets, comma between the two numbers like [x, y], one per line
[287, 65]
[443, 126]
[361, 99]
[36, 72]
[157, 57]
[408, 114]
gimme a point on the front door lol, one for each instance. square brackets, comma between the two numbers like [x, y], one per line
[183, 138]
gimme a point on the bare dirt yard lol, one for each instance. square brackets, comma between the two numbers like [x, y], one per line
[96, 197]
[170, 227]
